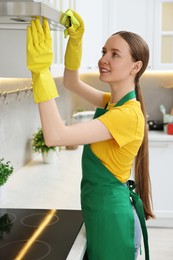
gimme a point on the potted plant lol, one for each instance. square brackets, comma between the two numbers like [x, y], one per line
[5, 171]
[49, 153]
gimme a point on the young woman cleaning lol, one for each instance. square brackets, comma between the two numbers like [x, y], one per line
[116, 137]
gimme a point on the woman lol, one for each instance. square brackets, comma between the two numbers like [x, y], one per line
[113, 139]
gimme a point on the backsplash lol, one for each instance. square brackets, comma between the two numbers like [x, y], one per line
[18, 119]
[152, 84]
[19, 116]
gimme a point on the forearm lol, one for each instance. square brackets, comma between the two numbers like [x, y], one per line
[56, 133]
[71, 79]
[87, 92]
[52, 123]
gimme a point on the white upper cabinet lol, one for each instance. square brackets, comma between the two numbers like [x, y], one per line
[135, 16]
[103, 18]
[163, 34]
[152, 19]
[93, 15]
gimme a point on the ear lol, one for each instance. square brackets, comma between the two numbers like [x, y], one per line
[136, 67]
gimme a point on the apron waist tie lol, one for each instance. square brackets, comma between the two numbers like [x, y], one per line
[137, 202]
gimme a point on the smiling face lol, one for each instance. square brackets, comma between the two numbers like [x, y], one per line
[116, 65]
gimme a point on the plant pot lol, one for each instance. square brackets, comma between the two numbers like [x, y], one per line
[50, 156]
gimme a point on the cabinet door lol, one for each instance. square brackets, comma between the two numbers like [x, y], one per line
[103, 18]
[93, 15]
[135, 16]
[163, 34]
[160, 154]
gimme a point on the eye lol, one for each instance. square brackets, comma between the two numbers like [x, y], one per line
[103, 52]
[114, 54]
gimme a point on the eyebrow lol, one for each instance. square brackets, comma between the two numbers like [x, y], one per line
[113, 49]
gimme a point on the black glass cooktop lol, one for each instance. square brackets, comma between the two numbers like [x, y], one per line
[36, 234]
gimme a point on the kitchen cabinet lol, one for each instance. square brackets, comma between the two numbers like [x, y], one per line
[160, 155]
[163, 34]
[152, 19]
[103, 18]
[135, 16]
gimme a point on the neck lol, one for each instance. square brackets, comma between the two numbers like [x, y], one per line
[118, 93]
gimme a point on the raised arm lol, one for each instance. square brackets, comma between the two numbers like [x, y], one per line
[89, 93]
[39, 58]
[75, 29]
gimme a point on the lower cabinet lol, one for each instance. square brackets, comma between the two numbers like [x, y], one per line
[161, 173]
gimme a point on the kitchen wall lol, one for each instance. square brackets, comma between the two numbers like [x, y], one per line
[155, 88]
[19, 116]
[19, 119]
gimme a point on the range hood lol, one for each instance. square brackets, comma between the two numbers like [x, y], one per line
[17, 14]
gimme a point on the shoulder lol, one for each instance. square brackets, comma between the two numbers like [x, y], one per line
[129, 109]
[125, 123]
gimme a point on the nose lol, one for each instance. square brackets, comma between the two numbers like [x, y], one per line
[103, 60]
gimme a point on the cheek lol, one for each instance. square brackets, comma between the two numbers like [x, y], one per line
[127, 66]
[99, 62]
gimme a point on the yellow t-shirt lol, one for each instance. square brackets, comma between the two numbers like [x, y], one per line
[126, 125]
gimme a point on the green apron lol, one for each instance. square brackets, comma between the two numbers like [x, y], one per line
[107, 208]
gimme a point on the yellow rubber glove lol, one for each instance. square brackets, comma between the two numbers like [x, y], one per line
[75, 29]
[39, 59]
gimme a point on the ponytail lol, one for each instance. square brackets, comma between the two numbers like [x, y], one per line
[140, 52]
[142, 177]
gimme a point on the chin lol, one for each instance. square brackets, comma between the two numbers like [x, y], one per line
[103, 78]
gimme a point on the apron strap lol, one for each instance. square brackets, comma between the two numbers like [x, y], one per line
[124, 99]
[137, 202]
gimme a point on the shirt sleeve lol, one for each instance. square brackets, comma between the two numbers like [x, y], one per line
[121, 123]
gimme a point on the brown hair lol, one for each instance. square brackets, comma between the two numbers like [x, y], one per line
[140, 52]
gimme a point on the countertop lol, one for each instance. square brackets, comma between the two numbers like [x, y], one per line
[159, 136]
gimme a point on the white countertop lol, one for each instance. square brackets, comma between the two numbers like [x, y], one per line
[45, 186]
[159, 136]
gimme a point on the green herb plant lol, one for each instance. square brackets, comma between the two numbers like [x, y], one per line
[38, 143]
[5, 171]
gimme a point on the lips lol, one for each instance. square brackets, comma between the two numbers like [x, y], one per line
[104, 70]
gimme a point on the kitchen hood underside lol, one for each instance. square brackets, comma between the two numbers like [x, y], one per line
[18, 14]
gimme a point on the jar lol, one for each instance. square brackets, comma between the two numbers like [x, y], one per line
[170, 128]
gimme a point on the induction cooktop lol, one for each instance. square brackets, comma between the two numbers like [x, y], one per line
[36, 234]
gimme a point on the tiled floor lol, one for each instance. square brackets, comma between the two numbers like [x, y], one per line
[160, 243]
[58, 186]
